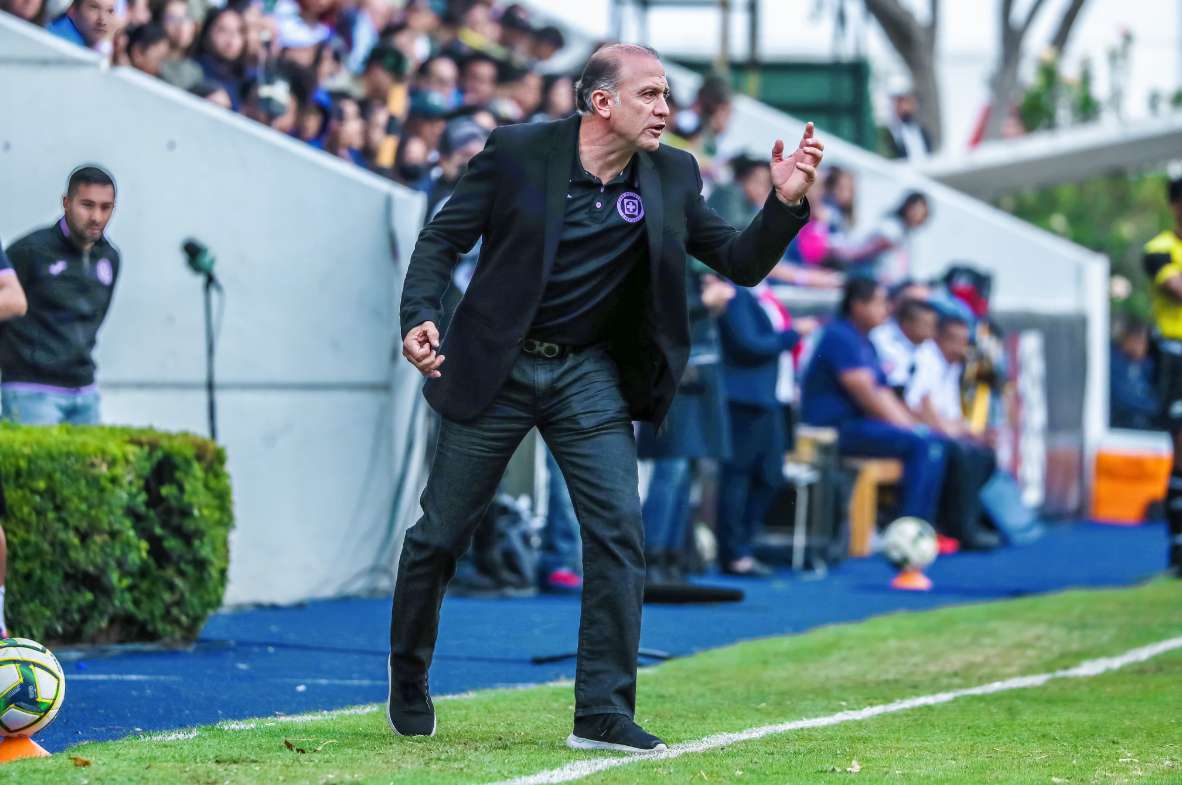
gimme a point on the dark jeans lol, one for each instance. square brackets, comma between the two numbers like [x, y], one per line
[923, 457]
[969, 467]
[666, 507]
[576, 403]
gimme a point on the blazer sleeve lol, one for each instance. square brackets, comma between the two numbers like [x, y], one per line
[745, 257]
[746, 341]
[453, 231]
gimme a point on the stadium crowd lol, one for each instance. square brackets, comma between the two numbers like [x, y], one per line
[411, 89]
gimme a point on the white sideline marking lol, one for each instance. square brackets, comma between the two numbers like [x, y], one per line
[179, 735]
[585, 768]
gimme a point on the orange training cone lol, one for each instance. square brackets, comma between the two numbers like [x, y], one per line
[18, 747]
[912, 580]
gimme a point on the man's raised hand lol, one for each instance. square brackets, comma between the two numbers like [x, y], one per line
[793, 175]
[421, 349]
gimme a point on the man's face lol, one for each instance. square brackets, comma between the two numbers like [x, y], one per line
[88, 210]
[953, 341]
[757, 185]
[871, 313]
[1135, 345]
[149, 58]
[95, 19]
[905, 107]
[442, 76]
[480, 82]
[640, 111]
[25, 9]
[920, 326]
[179, 25]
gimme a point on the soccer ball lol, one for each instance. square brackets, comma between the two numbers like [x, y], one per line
[909, 543]
[32, 687]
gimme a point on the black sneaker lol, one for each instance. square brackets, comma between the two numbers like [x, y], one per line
[612, 732]
[408, 706]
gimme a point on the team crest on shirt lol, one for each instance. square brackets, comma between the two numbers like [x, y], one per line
[57, 268]
[629, 206]
[104, 272]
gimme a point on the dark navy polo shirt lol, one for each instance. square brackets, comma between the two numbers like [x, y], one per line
[602, 241]
[823, 398]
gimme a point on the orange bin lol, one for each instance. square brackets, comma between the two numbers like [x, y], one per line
[1130, 474]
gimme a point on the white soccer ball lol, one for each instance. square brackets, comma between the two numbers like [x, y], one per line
[909, 543]
[32, 687]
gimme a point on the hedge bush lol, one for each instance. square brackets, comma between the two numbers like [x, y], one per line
[114, 534]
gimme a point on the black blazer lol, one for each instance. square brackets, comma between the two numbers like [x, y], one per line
[513, 195]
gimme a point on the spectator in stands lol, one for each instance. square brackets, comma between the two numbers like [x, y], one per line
[32, 11]
[740, 200]
[517, 34]
[1133, 399]
[898, 339]
[178, 69]
[346, 130]
[221, 51]
[524, 88]
[478, 79]
[695, 428]
[844, 388]
[440, 74]
[758, 336]
[427, 118]
[88, 23]
[68, 272]
[214, 93]
[558, 98]
[462, 140]
[904, 137]
[147, 48]
[548, 41]
[933, 395]
[313, 117]
[885, 254]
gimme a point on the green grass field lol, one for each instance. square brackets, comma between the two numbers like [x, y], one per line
[1124, 726]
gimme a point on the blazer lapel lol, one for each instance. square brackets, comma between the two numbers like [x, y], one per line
[559, 163]
[654, 214]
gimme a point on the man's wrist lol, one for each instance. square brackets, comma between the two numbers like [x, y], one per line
[784, 200]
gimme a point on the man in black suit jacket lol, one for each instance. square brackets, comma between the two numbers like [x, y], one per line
[574, 322]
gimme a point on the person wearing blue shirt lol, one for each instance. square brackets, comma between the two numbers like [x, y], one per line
[845, 388]
[1132, 395]
[87, 23]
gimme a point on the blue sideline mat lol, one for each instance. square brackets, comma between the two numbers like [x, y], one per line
[330, 654]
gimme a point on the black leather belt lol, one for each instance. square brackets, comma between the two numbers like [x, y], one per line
[551, 351]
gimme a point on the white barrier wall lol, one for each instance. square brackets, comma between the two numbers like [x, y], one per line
[315, 403]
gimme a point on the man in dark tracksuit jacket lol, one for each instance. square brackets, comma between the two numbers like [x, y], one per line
[574, 322]
[68, 272]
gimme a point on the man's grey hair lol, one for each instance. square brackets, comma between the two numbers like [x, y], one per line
[602, 72]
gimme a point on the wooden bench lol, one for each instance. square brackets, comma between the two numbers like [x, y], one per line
[871, 473]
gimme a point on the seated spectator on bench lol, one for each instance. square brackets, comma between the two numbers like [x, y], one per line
[933, 394]
[844, 388]
[896, 341]
[758, 336]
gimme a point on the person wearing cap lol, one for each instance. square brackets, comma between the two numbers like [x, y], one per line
[462, 139]
[575, 322]
[903, 136]
[68, 272]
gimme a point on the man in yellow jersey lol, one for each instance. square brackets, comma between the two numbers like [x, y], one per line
[1163, 265]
